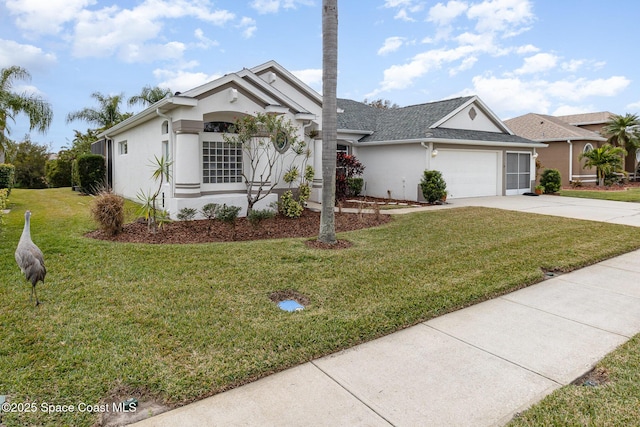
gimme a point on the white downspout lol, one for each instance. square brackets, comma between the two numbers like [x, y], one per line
[429, 149]
[172, 149]
[570, 160]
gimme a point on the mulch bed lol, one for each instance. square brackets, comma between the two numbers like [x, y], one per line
[593, 187]
[204, 231]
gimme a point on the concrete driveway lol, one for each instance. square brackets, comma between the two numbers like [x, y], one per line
[570, 207]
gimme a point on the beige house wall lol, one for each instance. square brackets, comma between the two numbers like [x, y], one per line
[556, 156]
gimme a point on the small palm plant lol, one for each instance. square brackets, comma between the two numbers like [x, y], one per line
[606, 159]
[149, 209]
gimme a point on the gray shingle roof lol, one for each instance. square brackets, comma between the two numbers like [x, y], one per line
[541, 127]
[412, 122]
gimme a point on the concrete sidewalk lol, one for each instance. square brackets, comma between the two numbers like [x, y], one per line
[473, 367]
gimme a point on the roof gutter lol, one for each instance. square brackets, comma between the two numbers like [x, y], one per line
[458, 142]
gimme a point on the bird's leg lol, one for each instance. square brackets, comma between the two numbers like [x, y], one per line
[33, 291]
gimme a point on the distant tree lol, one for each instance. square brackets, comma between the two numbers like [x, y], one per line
[30, 159]
[383, 104]
[149, 95]
[82, 142]
[107, 114]
[11, 104]
[619, 132]
[606, 159]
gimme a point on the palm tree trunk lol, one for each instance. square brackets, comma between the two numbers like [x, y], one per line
[327, 232]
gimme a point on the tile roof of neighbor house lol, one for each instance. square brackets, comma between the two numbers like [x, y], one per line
[411, 122]
[600, 117]
[542, 128]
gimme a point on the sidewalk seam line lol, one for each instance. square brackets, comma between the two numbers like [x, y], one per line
[351, 393]
[511, 362]
[504, 297]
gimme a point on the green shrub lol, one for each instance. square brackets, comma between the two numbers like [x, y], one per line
[289, 206]
[75, 174]
[107, 210]
[187, 214]
[91, 172]
[256, 216]
[228, 214]
[551, 180]
[354, 186]
[4, 198]
[433, 186]
[58, 172]
[7, 176]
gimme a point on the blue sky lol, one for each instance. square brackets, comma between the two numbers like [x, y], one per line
[518, 56]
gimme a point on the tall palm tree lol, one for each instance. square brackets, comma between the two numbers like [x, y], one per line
[108, 113]
[327, 232]
[149, 95]
[11, 104]
[606, 159]
[619, 132]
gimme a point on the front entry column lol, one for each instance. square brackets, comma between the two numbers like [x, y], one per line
[187, 165]
[316, 185]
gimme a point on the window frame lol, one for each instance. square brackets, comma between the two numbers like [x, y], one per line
[222, 163]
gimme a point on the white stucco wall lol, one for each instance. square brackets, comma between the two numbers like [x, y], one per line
[397, 168]
[132, 171]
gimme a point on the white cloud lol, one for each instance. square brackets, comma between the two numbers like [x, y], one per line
[566, 110]
[45, 17]
[442, 14]
[397, 3]
[204, 42]
[182, 80]
[509, 17]
[311, 76]
[523, 50]
[579, 89]
[248, 26]
[391, 44]
[128, 33]
[572, 65]
[514, 94]
[273, 6]
[466, 64]
[25, 55]
[538, 63]
[406, 7]
[633, 106]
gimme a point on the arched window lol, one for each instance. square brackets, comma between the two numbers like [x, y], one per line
[587, 147]
[219, 127]
[165, 127]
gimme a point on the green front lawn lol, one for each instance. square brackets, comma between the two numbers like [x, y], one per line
[613, 402]
[629, 195]
[181, 322]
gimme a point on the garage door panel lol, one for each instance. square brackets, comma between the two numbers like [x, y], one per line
[468, 173]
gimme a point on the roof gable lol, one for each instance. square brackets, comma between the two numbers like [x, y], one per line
[473, 115]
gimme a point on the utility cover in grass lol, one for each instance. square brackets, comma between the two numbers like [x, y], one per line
[290, 305]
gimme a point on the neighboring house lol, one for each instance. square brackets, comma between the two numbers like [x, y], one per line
[567, 136]
[461, 137]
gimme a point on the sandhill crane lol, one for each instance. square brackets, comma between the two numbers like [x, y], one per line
[29, 258]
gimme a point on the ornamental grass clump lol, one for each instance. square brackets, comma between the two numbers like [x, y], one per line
[107, 210]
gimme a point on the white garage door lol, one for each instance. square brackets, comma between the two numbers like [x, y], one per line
[469, 173]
